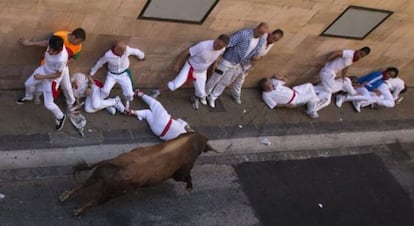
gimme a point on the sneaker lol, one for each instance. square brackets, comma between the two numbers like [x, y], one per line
[118, 105]
[155, 93]
[339, 100]
[60, 123]
[22, 100]
[203, 101]
[36, 100]
[357, 106]
[236, 99]
[194, 102]
[111, 110]
[211, 102]
[313, 115]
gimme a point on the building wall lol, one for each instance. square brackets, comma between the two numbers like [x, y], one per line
[297, 55]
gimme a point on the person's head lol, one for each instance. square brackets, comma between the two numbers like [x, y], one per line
[391, 72]
[266, 84]
[77, 36]
[275, 36]
[79, 82]
[119, 48]
[260, 30]
[362, 52]
[55, 45]
[221, 42]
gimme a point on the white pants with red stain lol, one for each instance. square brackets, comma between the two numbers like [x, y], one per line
[157, 118]
[199, 82]
[123, 80]
[94, 101]
[48, 99]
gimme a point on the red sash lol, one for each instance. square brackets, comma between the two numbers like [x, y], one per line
[293, 97]
[166, 128]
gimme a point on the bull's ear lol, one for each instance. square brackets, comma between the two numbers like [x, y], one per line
[209, 148]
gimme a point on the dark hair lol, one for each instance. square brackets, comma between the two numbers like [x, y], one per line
[225, 38]
[262, 83]
[56, 43]
[278, 31]
[79, 33]
[394, 69]
[365, 49]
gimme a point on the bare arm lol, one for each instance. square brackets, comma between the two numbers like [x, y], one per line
[26, 42]
[181, 58]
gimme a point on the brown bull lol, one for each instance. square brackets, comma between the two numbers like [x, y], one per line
[146, 166]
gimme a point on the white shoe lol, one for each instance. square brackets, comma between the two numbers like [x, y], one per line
[313, 114]
[203, 101]
[119, 105]
[339, 100]
[357, 106]
[111, 110]
[236, 99]
[211, 102]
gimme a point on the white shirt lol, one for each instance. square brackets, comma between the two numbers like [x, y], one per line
[202, 55]
[280, 95]
[53, 63]
[339, 63]
[117, 64]
[252, 45]
[396, 85]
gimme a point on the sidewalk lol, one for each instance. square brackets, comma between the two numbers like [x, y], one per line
[28, 131]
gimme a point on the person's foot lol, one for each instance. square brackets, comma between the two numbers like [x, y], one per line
[22, 100]
[155, 93]
[339, 100]
[357, 106]
[211, 102]
[118, 105]
[111, 110]
[203, 101]
[60, 123]
[194, 102]
[236, 98]
[313, 114]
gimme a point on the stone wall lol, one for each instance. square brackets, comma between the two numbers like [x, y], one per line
[296, 55]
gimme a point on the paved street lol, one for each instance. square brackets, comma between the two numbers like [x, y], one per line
[341, 190]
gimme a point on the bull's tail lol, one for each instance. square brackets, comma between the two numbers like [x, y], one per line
[81, 166]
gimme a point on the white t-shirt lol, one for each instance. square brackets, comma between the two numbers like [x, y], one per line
[252, 45]
[202, 55]
[53, 63]
[340, 63]
[280, 95]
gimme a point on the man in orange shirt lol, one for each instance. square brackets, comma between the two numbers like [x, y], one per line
[73, 44]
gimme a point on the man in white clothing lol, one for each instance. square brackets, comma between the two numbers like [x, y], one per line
[46, 76]
[198, 59]
[271, 39]
[159, 120]
[118, 72]
[339, 61]
[276, 93]
[84, 86]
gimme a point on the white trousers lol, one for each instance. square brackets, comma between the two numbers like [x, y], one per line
[217, 83]
[123, 80]
[94, 102]
[327, 80]
[157, 118]
[337, 85]
[386, 99]
[199, 82]
[305, 94]
[66, 86]
[30, 85]
[49, 100]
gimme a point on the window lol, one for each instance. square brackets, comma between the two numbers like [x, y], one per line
[356, 22]
[185, 11]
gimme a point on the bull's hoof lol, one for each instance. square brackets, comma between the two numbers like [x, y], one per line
[65, 195]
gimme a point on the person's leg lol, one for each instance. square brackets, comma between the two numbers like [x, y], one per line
[218, 73]
[237, 86]
[180, 78]
[388, 99]
[30, 86]
[327, 80]
[126, 86]
[200, 87]
[109, 83]
[305, 94]
[50, 104]
[66, 87]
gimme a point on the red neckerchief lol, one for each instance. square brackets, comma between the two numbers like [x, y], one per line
[113, 51]
[355, 58]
